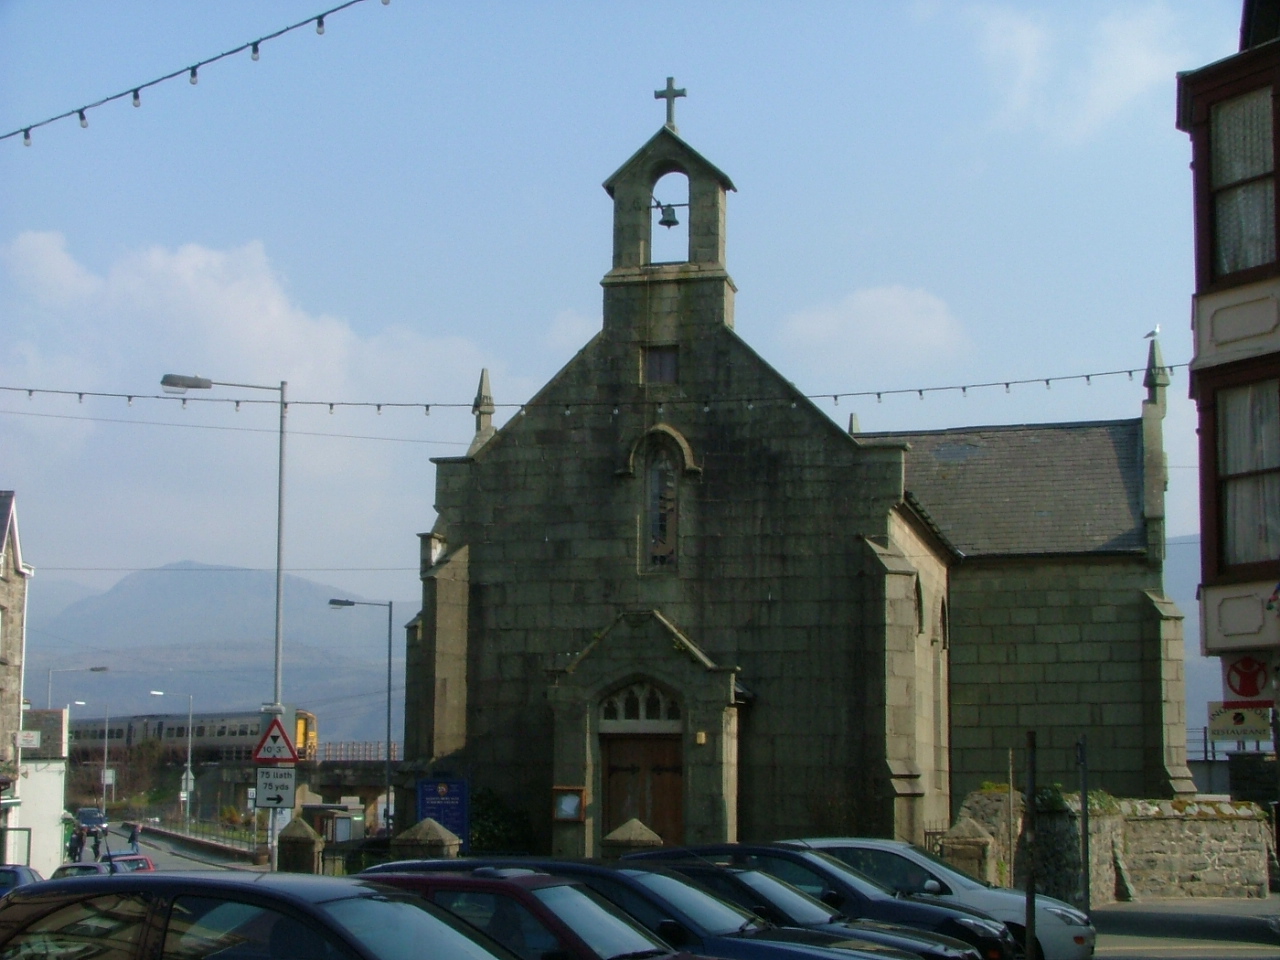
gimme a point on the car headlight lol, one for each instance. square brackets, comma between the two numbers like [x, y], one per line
[1068, 916]
[983, 928]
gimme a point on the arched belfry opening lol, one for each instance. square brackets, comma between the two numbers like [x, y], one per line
[634, 186]
[669, 219]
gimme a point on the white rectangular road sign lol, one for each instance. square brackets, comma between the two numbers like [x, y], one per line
[275, 787]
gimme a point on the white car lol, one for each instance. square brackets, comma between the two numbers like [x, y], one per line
[1062, 931]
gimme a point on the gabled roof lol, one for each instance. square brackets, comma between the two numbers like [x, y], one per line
[8, 528]
[1056, 488]
[658, 152]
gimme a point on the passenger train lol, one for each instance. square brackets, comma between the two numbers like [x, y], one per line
[214, 736]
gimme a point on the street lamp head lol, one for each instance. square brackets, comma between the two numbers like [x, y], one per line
[99, 669]
[157, 693]
[342, 603]
[80, 703]
[177, 383]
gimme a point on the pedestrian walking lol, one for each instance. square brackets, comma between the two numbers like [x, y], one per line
[134, 832]
[97, 845]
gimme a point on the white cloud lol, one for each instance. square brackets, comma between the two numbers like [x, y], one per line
[205, 492]
[1016, 49]
[1069, 80]
[39, 264]
[875, 328]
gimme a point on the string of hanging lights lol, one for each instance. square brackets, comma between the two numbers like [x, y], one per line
[192, 73]
[707, 404]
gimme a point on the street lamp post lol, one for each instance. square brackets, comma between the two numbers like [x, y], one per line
[106, 739]
[48, 704]
[336, 603]
[177, 383]
[188, 778]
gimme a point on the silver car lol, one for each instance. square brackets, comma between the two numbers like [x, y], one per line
[1062, 931]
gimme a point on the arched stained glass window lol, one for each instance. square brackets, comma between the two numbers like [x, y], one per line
[661, 498]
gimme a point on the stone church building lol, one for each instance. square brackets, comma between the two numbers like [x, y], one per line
[671, 588]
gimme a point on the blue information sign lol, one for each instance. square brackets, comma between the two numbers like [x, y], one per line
[447, 802]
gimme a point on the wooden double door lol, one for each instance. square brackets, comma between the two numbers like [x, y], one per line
[644, 779]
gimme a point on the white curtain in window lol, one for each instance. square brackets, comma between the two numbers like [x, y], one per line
[1240, 138]
[1244, 224]
[1249, 442]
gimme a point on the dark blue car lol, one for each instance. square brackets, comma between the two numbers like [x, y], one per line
[681, 913]
[852, 893]
[778, 901]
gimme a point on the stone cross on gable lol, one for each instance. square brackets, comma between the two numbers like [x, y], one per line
[670, 94]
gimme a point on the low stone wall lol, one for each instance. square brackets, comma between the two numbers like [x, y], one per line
[1137, 848]
[1188, 849]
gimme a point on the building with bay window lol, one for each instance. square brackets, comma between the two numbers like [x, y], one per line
[1229, 110]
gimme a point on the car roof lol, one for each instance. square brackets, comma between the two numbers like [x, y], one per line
[878, 843]
[297, 887]
[473, 881]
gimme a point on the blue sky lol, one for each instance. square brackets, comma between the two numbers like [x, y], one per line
[929, 193]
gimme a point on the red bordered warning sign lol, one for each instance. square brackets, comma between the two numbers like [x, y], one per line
[275, 747]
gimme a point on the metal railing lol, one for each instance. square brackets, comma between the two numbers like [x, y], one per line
[1201, 747]
[239, 838]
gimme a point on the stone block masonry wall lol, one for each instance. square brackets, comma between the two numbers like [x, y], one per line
[1065, 647]
[1177, 849]
[13, 592]
[1139, 849]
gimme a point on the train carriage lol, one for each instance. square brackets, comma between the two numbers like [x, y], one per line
[228, 736]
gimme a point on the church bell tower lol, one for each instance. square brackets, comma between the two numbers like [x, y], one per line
[658, 302]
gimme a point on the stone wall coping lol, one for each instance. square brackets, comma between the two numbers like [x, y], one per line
[1189, 810]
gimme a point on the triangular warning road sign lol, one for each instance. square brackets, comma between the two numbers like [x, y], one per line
[274, 747]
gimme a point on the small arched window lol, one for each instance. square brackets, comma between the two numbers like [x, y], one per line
[641, 707]
[661, 503]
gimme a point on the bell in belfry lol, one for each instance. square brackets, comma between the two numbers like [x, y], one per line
[669, 216]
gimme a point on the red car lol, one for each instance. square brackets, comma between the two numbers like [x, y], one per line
[536, 916]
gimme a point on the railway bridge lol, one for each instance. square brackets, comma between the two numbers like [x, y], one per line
[330, 781]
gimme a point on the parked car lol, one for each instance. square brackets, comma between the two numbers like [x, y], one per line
[1062, 931]
[108, 863]
[90, 868]
[127, 862]
[533, 914]
[232, 915]
[681, 913]
[781, 903]
[13, 875]
[852, 893]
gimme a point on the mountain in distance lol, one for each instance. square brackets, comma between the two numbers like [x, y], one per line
[188, 628]
[207, 631]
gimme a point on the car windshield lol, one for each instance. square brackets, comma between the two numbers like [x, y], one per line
[608, 931]
[795, 903]
[714, 916]
[392, 929]
[954, 873]
[867, 886]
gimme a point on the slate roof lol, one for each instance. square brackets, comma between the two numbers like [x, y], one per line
[1056, 488]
